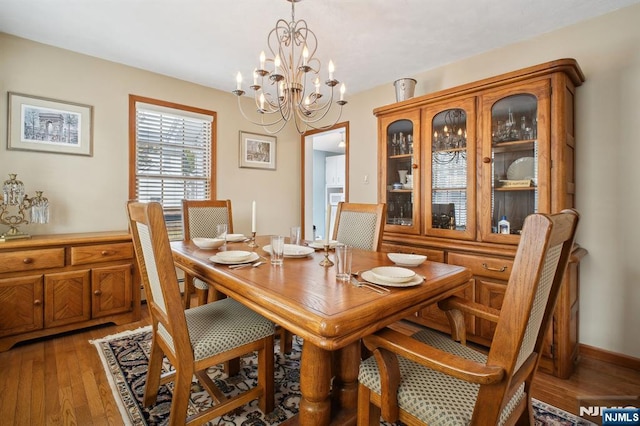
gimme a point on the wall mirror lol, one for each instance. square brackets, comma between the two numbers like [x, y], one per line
[325, 177]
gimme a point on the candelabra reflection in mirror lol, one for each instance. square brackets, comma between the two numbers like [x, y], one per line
[450, 137]
[17, 208]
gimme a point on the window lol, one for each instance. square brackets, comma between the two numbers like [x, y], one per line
[170, 151]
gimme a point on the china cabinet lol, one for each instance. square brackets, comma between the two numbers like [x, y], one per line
[482, 157]
[56, 283]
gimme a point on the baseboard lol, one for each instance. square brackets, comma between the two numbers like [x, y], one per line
[610, 357]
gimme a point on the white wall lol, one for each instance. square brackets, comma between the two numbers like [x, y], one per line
[89, 193]
[608, 154]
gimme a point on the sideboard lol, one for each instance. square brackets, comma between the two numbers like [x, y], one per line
[51, 284]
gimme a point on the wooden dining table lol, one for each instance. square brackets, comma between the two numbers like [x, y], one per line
[331, 316]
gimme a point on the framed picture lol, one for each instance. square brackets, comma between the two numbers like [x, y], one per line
[257, 151]
[49, 125]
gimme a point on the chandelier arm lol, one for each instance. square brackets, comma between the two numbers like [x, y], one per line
[262, 122]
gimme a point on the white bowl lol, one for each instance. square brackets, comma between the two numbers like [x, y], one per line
[403, 259]
[393, 274]
[208, 243]
[234, 255]
[234, 238]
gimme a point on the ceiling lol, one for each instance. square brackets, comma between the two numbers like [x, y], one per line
[371, 42]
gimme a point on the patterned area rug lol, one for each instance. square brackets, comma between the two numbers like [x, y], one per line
[125, 358]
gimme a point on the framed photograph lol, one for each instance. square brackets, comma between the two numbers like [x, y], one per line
[49, 125]
[257, 151]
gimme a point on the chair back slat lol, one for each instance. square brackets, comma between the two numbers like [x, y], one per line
[360, 225]
[152, 278]
[200, 217]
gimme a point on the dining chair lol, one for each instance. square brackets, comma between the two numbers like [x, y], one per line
[430, 378]
[200, 219]
[360, 225]
[197, 338]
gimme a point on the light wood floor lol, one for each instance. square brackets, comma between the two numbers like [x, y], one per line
[60, 381]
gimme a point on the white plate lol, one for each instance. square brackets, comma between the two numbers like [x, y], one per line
[234, 238]
[393, 274]
[292, 250]
[234, 255]
[522, 168]
[368, 276]
[215, 259]
[319, 244]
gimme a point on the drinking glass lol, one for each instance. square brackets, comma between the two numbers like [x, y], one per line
[343, 262]
[294, 236]
[221, 232]
[277, 250]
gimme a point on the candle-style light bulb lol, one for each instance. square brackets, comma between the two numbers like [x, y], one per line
[317, 84]
[276, 63]
[261, 100]
[305, 55]
[342, 90]
[255, 77]
[262, 59]
[239, 81]
[332, 68]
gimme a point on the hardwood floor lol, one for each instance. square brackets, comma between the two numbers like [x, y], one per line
[60, 381]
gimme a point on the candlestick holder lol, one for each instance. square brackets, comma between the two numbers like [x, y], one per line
[252, 243]
[29, 209]
[326, 262]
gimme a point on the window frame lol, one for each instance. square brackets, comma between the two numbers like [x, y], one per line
[133, 99]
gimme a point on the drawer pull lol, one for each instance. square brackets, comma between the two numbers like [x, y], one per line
[97, 292]
[37, 302]
[489, 268]
[105, 252]
[27, 260]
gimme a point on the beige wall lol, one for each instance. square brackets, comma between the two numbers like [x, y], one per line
[88, 194]
[608, 158]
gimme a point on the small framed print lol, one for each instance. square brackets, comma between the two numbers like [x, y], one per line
[49, 125]
[257, 151]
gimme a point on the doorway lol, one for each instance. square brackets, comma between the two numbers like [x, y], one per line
[325, 178]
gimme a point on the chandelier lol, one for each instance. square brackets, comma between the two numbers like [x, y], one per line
[287, 86]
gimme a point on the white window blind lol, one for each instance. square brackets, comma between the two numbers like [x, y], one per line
[173, 159]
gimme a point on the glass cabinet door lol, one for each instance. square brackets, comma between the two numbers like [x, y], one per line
[450, 203]
[516, 157]
[399, 180]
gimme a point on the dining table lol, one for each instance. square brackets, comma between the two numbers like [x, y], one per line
[330, 316]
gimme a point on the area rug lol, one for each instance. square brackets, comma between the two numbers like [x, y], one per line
[125, 359]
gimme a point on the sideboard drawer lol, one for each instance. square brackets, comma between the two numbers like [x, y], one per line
[27, 260]
[81, 255]
[485, 266]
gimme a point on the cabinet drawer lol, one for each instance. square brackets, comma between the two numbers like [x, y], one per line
[485, 266]
[27, 260]
[82, 255]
